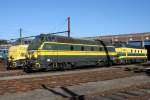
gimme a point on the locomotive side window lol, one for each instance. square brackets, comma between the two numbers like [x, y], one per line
[82, 48]
[100, 48]
[92, 48]
[76, 47]
[47, 46]
[71, 47]
[63, 47]
[111, 49]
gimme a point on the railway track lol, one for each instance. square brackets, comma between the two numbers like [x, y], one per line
[16, 81]
[139, 92]
[125, 88]
[18, 72]
[35, 81]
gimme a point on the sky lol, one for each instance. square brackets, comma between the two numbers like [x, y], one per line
[88, 17]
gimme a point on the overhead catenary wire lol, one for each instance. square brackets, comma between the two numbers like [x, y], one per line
[58, 32]
[59, 26]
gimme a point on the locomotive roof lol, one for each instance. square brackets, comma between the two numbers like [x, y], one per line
[63, 39]
[36, 43]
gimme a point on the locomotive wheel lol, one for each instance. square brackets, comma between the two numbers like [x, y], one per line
[55, 66]
[62, 66]
[27, 69]
[69, 66]
[110, 63]
[101, 64]
[9, 68]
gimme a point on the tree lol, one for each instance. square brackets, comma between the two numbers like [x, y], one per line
[3, 42]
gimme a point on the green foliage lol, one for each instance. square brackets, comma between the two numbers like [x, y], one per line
[3, 42]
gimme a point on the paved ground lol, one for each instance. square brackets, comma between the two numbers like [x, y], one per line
[50, 73]
[83, 89]
[18, 74]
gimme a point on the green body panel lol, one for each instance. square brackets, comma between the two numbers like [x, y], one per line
[71, 58]
[136, 54]
[121, 54]
[76, 47]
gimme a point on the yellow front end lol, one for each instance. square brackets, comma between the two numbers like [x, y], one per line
[16, 54]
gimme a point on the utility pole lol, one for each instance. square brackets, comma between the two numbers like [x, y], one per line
[20, 31]
[142, 39]
[69, 27]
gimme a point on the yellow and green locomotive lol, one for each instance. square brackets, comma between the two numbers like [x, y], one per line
[128, 55]
[16, 56]
[51, 52]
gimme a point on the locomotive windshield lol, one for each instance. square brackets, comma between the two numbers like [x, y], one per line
[35, 44]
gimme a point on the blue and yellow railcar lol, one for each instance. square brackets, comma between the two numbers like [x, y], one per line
[3, 54]
[56, 52]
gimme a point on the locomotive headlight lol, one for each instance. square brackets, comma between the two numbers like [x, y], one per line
[37, 65]
[11, 58]
[33, 57]
[48, 60]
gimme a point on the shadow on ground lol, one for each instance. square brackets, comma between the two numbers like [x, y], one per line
[73, 96]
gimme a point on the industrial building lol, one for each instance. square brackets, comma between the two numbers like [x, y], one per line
[134, 39]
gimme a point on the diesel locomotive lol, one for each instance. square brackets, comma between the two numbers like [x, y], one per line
[50, 52]
[16, 56]
[131, 55]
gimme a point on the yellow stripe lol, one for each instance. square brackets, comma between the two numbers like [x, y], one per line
[133, 56]
[72, 44]
[84, 53]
